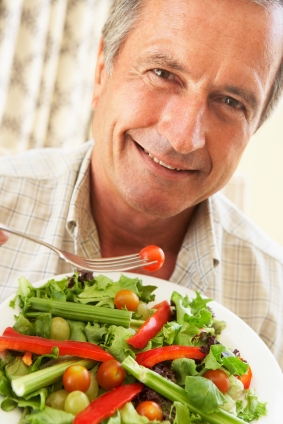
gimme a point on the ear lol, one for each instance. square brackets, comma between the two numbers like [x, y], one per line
[99, 77]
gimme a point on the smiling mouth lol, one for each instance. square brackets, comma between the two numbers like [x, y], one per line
[156, 160]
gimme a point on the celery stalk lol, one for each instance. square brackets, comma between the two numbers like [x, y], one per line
[173, 392]
[81, 312]
[136, 323]
[29, 383]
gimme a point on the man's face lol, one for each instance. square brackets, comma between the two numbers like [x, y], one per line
[187, 92]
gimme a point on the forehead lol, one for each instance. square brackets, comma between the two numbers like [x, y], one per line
[240, 30]
[217, 18]
[240, 11]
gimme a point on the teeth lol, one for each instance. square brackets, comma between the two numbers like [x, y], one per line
[166, 166]
[160, 162]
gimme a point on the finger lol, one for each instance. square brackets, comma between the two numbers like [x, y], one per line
[3, 237]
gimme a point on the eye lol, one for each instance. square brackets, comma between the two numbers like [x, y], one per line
[233, 103]
[162, 73]
[164, 80]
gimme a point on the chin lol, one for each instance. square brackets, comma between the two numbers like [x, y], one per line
[157, 206]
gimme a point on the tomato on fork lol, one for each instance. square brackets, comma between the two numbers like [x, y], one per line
[153, 253]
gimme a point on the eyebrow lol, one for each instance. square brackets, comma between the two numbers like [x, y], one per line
[161, 60]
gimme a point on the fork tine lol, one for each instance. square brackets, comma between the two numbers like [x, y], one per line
[118, 267]
[120, 263]
[115, 260]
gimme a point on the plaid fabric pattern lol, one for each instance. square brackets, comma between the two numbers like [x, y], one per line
[45, 193]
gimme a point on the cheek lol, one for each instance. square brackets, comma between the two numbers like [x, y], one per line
[226, 150]
[136, 105]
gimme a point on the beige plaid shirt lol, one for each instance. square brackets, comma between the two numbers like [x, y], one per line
[45, 193]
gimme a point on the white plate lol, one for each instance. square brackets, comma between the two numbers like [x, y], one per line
[267, 375]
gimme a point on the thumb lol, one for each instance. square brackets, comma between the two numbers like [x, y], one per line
[3, 237]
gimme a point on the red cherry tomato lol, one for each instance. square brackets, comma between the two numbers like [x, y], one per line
[153, 253]
[246, 378]
[110, 374]
[219, 378]
[150, 410]
[76, 377]
[126, 298]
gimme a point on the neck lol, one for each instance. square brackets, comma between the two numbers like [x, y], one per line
[123, 230]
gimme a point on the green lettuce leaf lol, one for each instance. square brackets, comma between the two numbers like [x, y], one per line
[15, 367]
[53, 355]
[49, 416]
[9, 403]
[115, 342]
[198, 303]
[5, 385]
[186, 334]
[250, 408]
[183, 415]
[194, 312]
[77, 332]
[23, 326]
[95, 333]
[42, 325]
[170, 331]
[204, 394]
[219, 356]
[182, 368]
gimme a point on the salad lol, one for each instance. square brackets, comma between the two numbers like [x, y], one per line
[90, 350]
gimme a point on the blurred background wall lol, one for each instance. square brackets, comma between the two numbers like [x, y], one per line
[47, 59]
[262, 167]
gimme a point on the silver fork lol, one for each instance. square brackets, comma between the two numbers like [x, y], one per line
[118, 263]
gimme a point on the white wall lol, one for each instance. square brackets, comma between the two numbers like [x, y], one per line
[262, 165]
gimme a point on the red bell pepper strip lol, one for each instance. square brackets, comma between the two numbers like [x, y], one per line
[27, 358]
[16, 341]
[106, 405]
[151, 326]
[246, 378]
[166, 353]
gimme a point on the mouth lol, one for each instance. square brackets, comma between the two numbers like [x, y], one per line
[159, 162]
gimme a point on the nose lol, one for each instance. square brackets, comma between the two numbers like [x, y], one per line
[182, 123]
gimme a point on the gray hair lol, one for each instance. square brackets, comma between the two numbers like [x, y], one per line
[124, 15]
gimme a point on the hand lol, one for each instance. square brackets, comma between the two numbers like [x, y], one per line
[3, 237]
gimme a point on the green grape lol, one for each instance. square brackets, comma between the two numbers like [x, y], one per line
[60, 329]
[76, 402]
[143, 311]
[57, 399]
[92, 391]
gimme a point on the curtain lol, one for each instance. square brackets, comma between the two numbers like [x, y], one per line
[47, 59]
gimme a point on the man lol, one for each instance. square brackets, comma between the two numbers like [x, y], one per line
[180, 87]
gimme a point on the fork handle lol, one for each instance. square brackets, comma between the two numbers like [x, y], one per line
[31, 238]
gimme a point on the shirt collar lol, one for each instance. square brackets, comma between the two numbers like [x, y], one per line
[80, 224]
